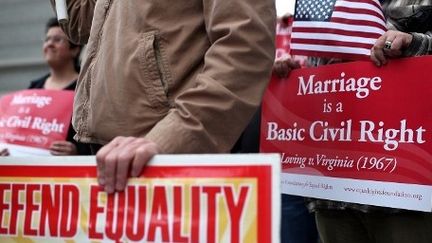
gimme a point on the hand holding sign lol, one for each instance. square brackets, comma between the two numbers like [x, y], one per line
[31, 120]
[364, 127]
[283, 66]
[123, 157]
[62, 148]
[390, 44]
[4, 152]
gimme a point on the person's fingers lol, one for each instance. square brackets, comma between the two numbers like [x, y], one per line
[55, 145]
[120, 158]
[399, 40]
[374, 59]
[101, 159]
[396, 47]
[283, 67]
[57, 148]
[56, 153]
[390, 44]
[377, 53]
[142, 156]
[112, 163]
[73, 150]
[278, 69]
[4, 152]
[63, 148]
[293, 64]
[126, 153]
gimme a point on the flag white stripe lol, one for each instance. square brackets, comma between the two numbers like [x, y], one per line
[356, 26]
[335, 49]
[353, 5]
[332, 37]
[377, 2]
[358, 17]
[331, 25]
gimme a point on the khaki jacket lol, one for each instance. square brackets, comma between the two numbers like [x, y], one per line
[187, 75]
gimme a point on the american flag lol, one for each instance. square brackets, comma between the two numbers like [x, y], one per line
[344, 29]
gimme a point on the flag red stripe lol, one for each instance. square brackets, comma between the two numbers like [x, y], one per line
[359, 11]
[345, 56]
[335, 31]
[357, 22]
[331, 43]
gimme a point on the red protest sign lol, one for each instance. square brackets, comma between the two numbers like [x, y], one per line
[35, 118]
[181, 198]
[354, 121]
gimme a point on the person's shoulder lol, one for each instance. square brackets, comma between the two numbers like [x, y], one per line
[38, 83]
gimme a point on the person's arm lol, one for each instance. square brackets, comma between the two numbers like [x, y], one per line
[209, 117]
[421, 44]
[80, 19]
[395, 43]
[237, 67]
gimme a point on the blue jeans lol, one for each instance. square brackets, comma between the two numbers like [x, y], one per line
[298, 225]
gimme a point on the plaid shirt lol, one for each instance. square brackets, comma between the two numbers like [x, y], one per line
[410, 16]
[414, 17]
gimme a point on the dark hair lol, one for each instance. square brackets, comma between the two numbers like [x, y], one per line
[53, 22]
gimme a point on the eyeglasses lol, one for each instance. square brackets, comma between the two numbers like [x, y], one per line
[56, 39]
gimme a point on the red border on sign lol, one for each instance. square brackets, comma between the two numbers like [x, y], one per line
[263, 174]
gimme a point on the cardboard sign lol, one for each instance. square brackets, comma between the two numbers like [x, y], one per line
[183, 198]
[354, 121]
[30, 120]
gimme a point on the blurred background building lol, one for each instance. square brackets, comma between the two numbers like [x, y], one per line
[22, 24]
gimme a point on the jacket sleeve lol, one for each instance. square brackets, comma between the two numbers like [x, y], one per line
[421, 45]
[80, 20]
[210, 117]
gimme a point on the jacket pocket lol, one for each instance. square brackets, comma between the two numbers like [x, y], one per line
[156, 78]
